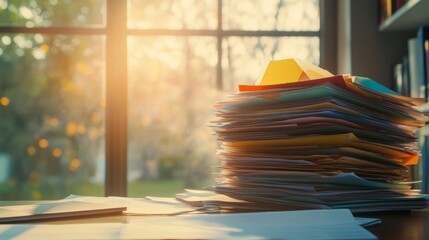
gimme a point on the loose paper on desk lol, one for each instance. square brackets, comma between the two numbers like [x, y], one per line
[314, 224]
[56, 210]
[139, 206]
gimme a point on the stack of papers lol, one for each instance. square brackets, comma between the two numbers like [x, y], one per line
[293, 142]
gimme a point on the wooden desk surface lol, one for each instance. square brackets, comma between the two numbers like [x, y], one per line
[412, 225]
[408, 225]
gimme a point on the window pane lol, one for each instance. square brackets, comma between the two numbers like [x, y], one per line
[52, 116]
[172, 14]
[286, 15]
[171, 94]
[33, 13]
[245, 58]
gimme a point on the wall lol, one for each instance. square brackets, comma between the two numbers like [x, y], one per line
[362, 49]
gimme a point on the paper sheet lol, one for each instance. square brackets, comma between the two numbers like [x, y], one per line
[140, 206]
[311, 224]
[297, 70]
[56, 210]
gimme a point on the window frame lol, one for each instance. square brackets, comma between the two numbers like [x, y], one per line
[116, 33]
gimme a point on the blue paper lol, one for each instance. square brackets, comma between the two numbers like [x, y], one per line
[373, 85]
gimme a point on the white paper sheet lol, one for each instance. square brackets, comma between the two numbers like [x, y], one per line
[313, 224]
[140, 206]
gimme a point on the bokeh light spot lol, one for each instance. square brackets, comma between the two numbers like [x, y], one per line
[74, 165]
[31, 151]
[4, 101]
[57, 152]
[43, 143]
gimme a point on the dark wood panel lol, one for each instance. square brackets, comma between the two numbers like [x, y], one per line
[409, 225]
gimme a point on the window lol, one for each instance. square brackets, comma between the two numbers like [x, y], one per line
[126, 88]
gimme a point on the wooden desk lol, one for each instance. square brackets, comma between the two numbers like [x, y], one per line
[413, 225]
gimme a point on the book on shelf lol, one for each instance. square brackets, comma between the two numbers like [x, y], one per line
[417, 84]
[415, 67]
[406, 76]
[388, 7]
[411, 76]
[422, 52]
[398, 76]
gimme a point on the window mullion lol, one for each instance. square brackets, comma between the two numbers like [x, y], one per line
[219, 80]
[328, 35]
[116, 98]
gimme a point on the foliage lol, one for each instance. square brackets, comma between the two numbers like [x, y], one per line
[170, 166]
[52, 125]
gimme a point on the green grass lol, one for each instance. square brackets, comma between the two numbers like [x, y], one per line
[159, 188]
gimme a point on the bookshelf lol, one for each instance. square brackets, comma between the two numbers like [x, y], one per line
[409, 17]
